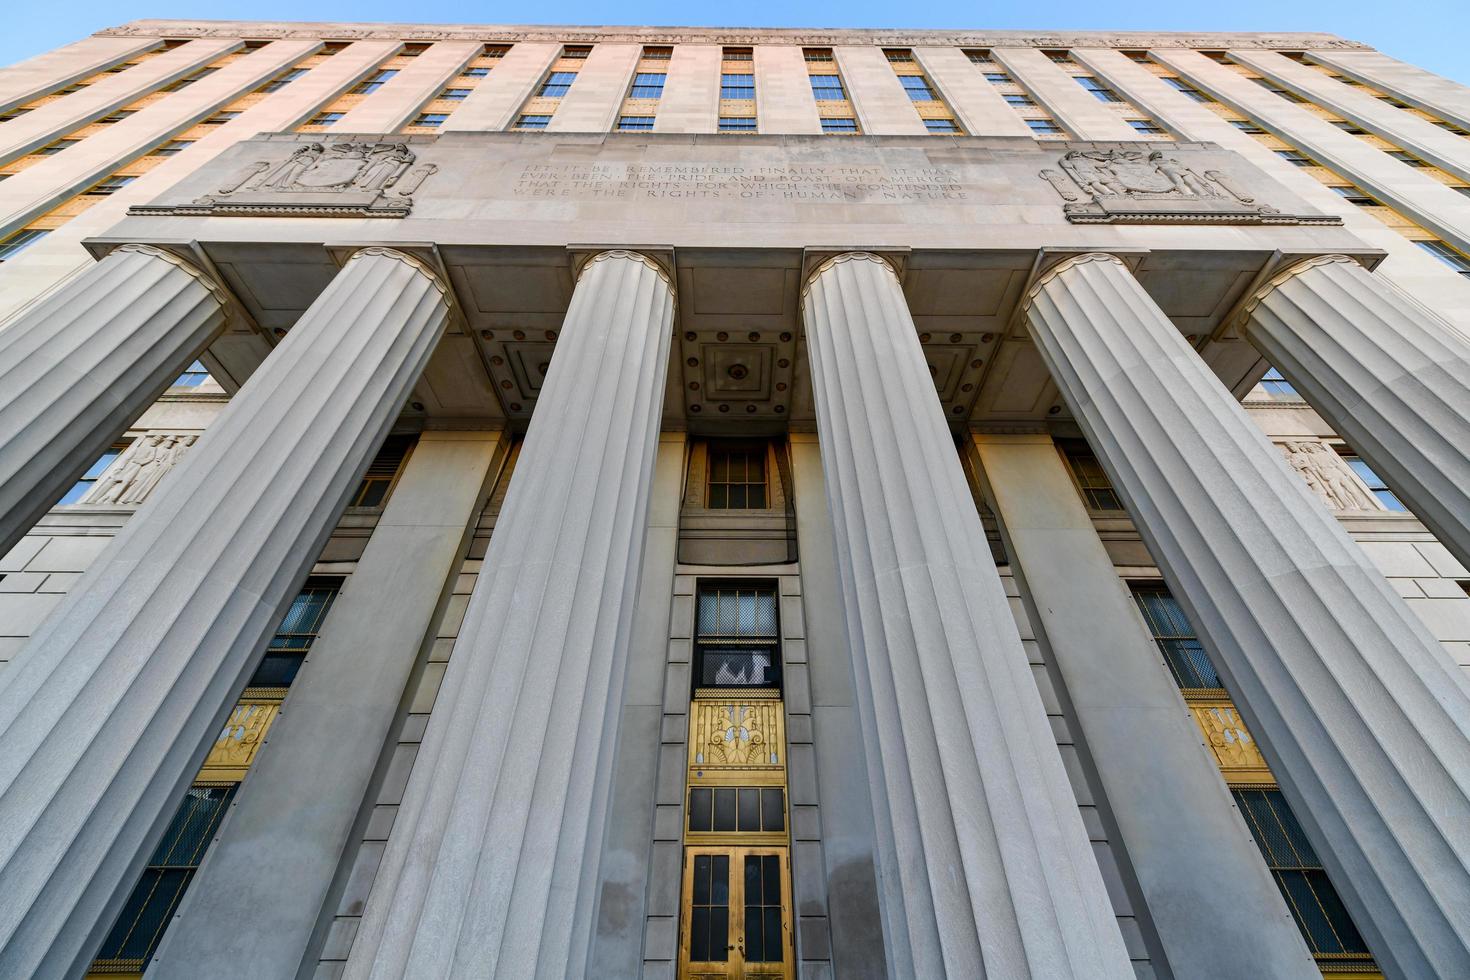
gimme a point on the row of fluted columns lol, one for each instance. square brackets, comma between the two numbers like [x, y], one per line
[985, 865]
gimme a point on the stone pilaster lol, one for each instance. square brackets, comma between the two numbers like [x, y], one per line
[107, 713]
[1212, 902]
[1364, 718]
[79, 365]
[1388, 375]
[279, 846]
[985, 866]
[494, 858]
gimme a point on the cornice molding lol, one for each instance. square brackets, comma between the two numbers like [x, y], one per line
[499, 33]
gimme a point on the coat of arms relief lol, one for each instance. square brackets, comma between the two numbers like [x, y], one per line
[1120, 186]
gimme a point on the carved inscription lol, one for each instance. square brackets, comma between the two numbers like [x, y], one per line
[797, 182]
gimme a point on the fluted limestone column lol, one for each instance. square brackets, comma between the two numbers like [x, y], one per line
[107, 713]
[1364, 718]
[1389, 376]
[985, 866]
[77, 367]
[494, 857]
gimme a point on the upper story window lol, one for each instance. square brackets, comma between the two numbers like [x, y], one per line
[1147, 126]
[576, 51]
[658, 53]
[297, 632]
[89, 479]
[325, 118]
[898, 56]
[1246, 126]
[1278, 387]
[477, 71]
[282, 80]
[51, 149]
[557, 84]
[942, 126]
[733, 86]
[737, 124]
[13, 245]
[1403, 156]
[194, 375]
[1136, 55]
[844, 125]
[413, 50]
[817, 55]
[738, 54]
[171, 147]
[455, 94]
[1372, 481]
[917, 87]
[187, 80]
[737, 638]
[1436, 248]
[997, 78]
[382, 472]
[1048, 127]
[1091, 479]
[1188, 90]
[1296, 158]
[432, 120]
[1060, 57]
[1012, 98]
[648, 85]
[375, 81]
[1170, 628]
[532, 122]
[110, 185]
[979, 56]
[1275, 89]
[1353, 195]
[827, 88]
[737, 477]
[631, 124]
[1099, 91]
[1352, 129]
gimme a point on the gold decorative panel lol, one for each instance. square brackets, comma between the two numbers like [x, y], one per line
[736, 736]
[1235, 751]
[234, 750]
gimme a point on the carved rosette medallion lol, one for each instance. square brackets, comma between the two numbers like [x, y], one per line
[1139, 185]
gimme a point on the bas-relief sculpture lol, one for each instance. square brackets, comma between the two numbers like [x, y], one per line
[318, 179]
[1328, 476]
[135, 473]
[1138, 186]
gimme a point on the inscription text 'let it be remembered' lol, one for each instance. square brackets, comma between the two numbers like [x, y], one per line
[794, 183]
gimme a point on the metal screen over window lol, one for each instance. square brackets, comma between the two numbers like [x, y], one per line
[297, 632]
[1176, 638]
[737, 477]
[1096, 488]
[737, 635]
[150, 908]
[1314, 902]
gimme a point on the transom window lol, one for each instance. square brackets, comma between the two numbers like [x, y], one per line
[648, 85]
[737, 477]
[1091, 479]
[1373, 481]
[1182, 650]
[736, 636]
[723, 810]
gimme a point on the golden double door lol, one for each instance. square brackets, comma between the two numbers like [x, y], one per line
[737, 918]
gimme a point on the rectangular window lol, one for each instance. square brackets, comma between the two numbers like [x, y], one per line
[431, 119]
[1373, 481]
[736, 636]
[282, 80]
[171, 147]
[942, 126]
[1060, 57]
[1353, 195]
[631, 124]
[1139, 56]
[89, 479]
[188, 80]
[557, 84]
[1091, 479]
[382, 472]
[898, 56]
[298, 630]
[737, 124]
[1182, 650]
[1409, 158]
[1146, 126]
[476, 72]
[220, 118]
[150, 908]
[194, 375]
[1188, 90]
[532, 122]
[917, 86]
[658, 53]
[51, 149]
[1296, 158]
[648, 85]
[1020, 100]
[737, 477]
[1275, 89]
[997, 77]
[455, 94]
[737, 86]
[817, 55]
[738, 54]
[576, 51]
[375, 82]
[1278, 387]
[110, 185]
[1046, 126]
[1434, 247]
[839, 125]
[1396, 103]
[413, 50]
[827, 88]
[1314, 902]
[1099, 91]
[1352, 129]
[978, 56]
[325, 118]
[117, 116]
[1246, 126]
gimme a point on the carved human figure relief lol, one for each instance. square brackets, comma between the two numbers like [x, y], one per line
[1327, 476]
[134, 475]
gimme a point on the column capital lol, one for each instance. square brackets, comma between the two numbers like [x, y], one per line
[1280, 278]
[836, 260]
[417, 264]
[220, 294]
[1070, 262]
[627, 253]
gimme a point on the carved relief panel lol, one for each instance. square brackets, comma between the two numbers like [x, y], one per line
[1327, 475]
[134, 474]
[238, 742]
[1235, 751]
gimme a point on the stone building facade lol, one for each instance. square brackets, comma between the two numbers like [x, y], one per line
[635, 502]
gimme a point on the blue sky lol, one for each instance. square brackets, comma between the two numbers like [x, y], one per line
[1432, 33]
